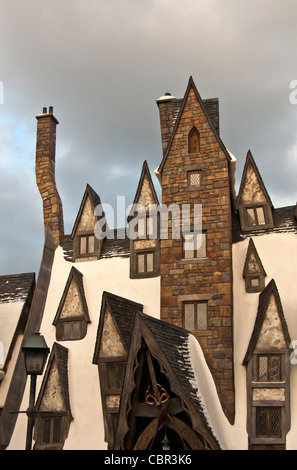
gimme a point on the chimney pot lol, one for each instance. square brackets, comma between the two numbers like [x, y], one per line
[44, 110]
[50, 110]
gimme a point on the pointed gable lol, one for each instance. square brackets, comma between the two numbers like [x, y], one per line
[72, 314]
[158, 391]
[253, 201]
[53, 403]
[145, 193]
[144, 229]
[86, 219]
[87, 246]
[193, 113]
[270, 331]
[115, 326]
[54, 391]
[253, 271]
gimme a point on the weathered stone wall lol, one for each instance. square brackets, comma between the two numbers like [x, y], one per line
[209, 278]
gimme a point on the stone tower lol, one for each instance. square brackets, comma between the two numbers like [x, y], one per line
[196, 278]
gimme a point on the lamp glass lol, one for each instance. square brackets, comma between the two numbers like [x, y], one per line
[35, 352]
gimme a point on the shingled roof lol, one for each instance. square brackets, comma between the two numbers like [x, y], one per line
[16, 287]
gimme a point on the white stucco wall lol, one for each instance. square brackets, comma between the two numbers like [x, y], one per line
[279, 257]
[278, 254]
[111, 275]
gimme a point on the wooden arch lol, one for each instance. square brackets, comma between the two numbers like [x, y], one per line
[185, 433]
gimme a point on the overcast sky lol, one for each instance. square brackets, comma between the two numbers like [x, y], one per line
[102, 64]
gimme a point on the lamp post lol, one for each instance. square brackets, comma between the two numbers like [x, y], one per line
[35, 353]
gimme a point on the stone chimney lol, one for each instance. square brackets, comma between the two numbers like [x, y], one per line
[45, 173]
[166, 105]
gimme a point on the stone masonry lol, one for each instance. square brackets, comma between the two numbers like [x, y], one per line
[45, 173]
[209, 278]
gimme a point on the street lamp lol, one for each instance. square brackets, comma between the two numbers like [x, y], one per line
[35, 353]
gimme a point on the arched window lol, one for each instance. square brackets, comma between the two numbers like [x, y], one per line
[194, 141]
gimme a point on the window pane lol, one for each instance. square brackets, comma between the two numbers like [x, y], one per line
[189, 246]
[83, 245]
[260, 216]
[275, 369]
[57, 426]
[251, 217]
[150, 262]
[140, 263]
[66, 330]
[46, 431]
[76, 329]
[142, 228]
[255, 282]
[202, 316]
[201, 250]
[115, 374]
[261, 422]
[190, 317]
[263, 369]
[274, 422]
[195, 179]
[91, 244]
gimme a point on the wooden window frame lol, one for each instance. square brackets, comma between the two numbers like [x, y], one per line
[245, 224]
[248, 282]
[196, 313]
[110, 413]
[60, 332]
[77, 245]
[41, 419]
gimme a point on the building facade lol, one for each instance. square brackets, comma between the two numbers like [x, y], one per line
[184, 327]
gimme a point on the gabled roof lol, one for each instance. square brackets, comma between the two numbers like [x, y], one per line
[123, 313]
[191, 85]
[264, 299]
[78, 279]
[252, 251]
[95, 201]
[60, 354]
[169, 345]
[250, 161]
[145, 173]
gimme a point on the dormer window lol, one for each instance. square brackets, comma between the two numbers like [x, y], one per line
[253, 201]
[255, 216]
[86, 244]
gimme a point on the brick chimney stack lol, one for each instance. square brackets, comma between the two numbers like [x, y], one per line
[45, 173]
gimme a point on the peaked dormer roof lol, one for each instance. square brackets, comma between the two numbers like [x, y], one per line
[95, 201]
[250, 162]
[191, 85]
[77, 277]
[252, 255]
[151, 195]
[123, 312]
[264, 302]
[59, 356]
[168, 344]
